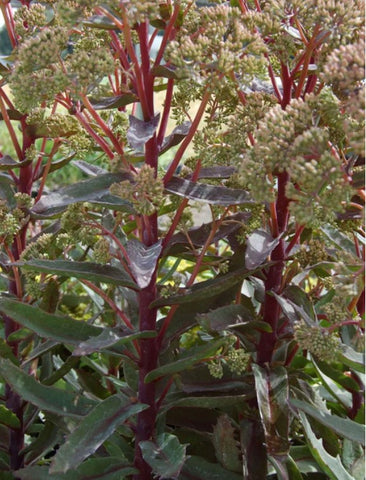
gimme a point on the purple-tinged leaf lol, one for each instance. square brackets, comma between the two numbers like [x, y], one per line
[6, 190]
[93, 190]
[142, 260]
[226, 445]
[13, 114]
[60, 402]
[165, 455]
[106, 103]
[140, 132]
[273, 395]
[214, 195]
[287, 308]
[198, 236]
[215, 172]
[226, 317]
[253, 448]
[8, 163]
[96, 427]
[285, 467]
[177, 135]
[260, 245]
[89, 169]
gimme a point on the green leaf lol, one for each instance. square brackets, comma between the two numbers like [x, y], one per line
[332, 466]
[6, 190]
[197, 468]
[208, 401]
[225, 317]
[8, 418]
[214, 195]
[344, 427]
[166, 456]
[109, 468]
[353, 359]
[93, 190]
[165, 72]
[60, 402]
[94, 272]
[57, 327]
[272, 395]
[100, 21]
[98, 425]
[199, 353]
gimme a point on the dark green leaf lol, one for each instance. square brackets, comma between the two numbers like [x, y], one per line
[199, 353]
[272, 395]
[332, 466]
[56, 327]
[94, 272]
[6, 190]
[164, 71]
[109, 468]
[197, 468]
[260, 244]
[8, 418]
[165, 456]
[140, 132]
[98, 425]
[49, 436]
[143, 260]
[208, 401]
[345, 427]
[214, 195]
[50, 399]
[92, 190]
[226, 317]
[113, 102]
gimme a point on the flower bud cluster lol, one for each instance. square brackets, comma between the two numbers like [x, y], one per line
[138, 11]
[344, 70]
[55, 125]
[74, 222]
[145, 193]
[101, 252]
[318, 341]
[29, 19]
[236, 359]
[86, 69]
[225, 43]
[336, 310]
[312, 254]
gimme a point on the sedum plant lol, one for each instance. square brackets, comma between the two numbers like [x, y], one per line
[137, 341]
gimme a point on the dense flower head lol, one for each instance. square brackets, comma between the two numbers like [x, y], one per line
[29, 19]
[291, 140]
[145, 192]
[318, 341]
[224, 43]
